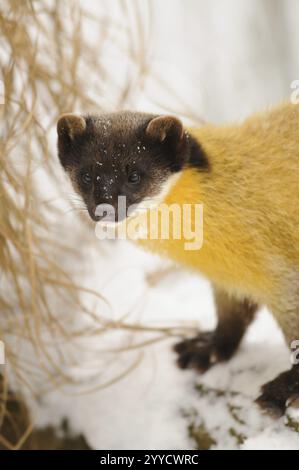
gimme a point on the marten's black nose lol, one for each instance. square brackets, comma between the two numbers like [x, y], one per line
[103, 212]
[92, 214]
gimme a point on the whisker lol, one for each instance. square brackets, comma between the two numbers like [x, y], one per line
[75, 200]
[76, 209]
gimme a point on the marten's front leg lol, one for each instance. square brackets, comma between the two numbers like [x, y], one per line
[283, 391]
[207, 348]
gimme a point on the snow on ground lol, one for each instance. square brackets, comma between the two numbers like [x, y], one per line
[158, 406]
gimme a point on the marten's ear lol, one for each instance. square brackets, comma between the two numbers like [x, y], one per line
[70, 126]
[166, 129]
[169, 132]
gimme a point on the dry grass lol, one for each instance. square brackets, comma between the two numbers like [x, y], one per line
[48, 63]
[44, 56]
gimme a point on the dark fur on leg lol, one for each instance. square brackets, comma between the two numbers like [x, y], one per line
[202, 351]
[281, 392]
[208, 348]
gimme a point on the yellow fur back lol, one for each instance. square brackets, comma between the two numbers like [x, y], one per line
[250, 198]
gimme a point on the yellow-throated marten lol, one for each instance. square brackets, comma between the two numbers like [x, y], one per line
[247, 178]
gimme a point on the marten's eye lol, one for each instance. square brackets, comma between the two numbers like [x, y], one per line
[86, 178]
[134, 177]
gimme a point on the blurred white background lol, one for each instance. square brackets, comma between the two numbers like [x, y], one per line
[224, 59]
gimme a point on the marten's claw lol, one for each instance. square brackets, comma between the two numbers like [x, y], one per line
[270, 407]
[280, 393]
[199, 353]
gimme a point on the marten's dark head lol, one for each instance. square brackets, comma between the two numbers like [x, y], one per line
[129, 154]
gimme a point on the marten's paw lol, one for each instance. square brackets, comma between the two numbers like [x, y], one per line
[201, 352]
[280, 393]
